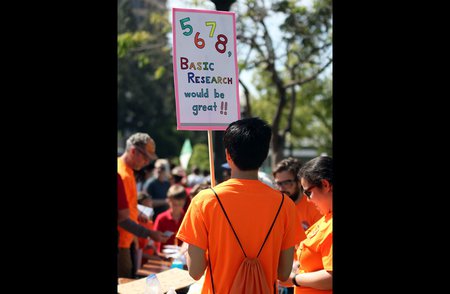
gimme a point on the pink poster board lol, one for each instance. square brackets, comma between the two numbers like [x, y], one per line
[205, 69]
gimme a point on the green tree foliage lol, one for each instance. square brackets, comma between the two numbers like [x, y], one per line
[312, 127]
[125, 20]
[146, 101]
[200, 157]
[313, 117]
[284, 62]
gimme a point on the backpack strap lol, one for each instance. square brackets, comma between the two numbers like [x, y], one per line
[224, 212]
[270, 230]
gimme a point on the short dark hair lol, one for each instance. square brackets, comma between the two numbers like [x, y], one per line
[289, 164]
[317, 169]
[176, 192]
[247, 141]
[177, 179]
[142, 195]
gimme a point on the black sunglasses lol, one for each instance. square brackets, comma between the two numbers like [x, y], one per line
[308, 192]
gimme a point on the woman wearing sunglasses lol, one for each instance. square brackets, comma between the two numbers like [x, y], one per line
[315, 253]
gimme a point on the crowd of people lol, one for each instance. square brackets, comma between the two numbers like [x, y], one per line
[290, 214]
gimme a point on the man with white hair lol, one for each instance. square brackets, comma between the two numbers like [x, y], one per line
[140, 150]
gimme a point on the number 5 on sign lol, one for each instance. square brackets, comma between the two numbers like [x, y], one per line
[185, 26]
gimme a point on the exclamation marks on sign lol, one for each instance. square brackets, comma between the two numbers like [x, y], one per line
[222, 110]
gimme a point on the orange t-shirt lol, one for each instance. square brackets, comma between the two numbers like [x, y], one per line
[316, 251]
[129, 183]
[307, 213]
[251, 207]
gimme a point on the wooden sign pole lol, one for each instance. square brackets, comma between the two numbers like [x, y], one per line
[211, 158]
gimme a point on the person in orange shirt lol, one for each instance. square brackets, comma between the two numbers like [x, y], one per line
[251, 207]
[315, 253]
[286, 180]
[140, 150]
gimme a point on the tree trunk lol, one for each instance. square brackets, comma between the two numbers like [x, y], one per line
[277, 155]
[247, 110]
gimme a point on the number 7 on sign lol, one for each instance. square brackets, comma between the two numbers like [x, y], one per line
[213, 27]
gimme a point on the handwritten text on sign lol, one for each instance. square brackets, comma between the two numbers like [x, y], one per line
[205, 69]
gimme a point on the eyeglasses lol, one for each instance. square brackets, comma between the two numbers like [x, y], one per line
[308, 192]
[143, 153]
[283, 183]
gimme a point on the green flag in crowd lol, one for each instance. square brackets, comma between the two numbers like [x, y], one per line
[186, 152]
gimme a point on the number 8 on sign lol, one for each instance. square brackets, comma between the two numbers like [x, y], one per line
[221, 42]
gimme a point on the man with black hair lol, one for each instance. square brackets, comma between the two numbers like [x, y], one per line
[260, 216]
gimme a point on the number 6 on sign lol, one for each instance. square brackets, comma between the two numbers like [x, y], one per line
[199, 42]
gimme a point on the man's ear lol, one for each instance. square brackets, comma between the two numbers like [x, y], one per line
[227, 155]
[133, 150]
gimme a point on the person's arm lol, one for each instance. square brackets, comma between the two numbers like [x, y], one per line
[142, 231]
[123, 211]
[321, 280]
[122, 214]
[288, 282]
[134, 228]
[285, 263]
[196, 261]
